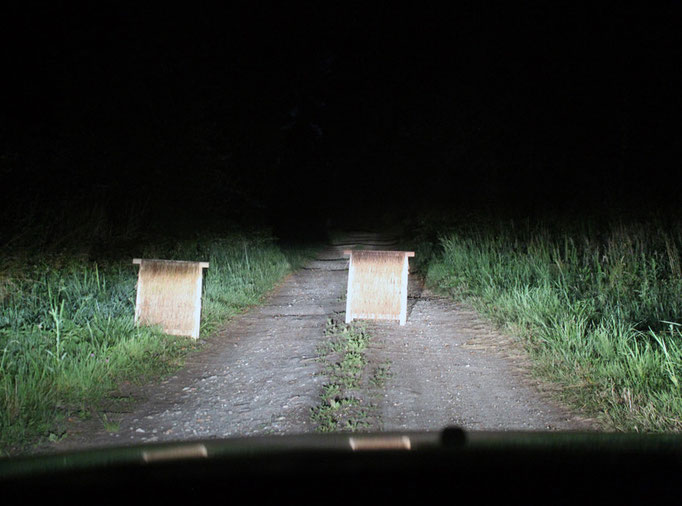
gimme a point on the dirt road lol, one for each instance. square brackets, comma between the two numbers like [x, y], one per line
[260, 374]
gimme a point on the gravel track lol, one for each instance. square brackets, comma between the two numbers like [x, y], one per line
[260, 375]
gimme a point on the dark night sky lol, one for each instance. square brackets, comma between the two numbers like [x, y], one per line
[300, 114]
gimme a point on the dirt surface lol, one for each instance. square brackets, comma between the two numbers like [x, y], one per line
[260, 374]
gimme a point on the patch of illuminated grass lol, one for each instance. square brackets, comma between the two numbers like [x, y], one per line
[599, 306]
[67, 335]
[343, 407]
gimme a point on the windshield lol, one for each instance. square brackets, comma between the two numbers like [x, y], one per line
[271, 221]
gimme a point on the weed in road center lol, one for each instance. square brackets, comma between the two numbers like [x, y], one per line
[381, 374]
[343, 402]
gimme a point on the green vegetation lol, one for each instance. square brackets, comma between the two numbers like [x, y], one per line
[598, 304]
[345, 403]
[67, 335]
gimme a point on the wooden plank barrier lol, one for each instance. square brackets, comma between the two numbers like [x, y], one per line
[169, 295]
[377, 285]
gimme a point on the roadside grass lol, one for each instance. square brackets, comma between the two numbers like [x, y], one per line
[67, 335]
[598, 305]
[344, 402]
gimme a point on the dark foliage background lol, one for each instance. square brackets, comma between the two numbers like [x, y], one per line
[134, 116]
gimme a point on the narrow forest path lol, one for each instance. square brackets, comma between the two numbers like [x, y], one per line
[260, 375]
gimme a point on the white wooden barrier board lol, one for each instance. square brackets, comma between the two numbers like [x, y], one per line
[169, 295]
[377, 285]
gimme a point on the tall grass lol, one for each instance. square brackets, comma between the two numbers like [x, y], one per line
[67, 335]
[598, 305]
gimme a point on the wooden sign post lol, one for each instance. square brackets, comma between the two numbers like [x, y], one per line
[169, 295]
[377, 285]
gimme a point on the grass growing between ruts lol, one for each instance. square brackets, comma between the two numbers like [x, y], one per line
[345, 404]
[67, 335]
[599, 307]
